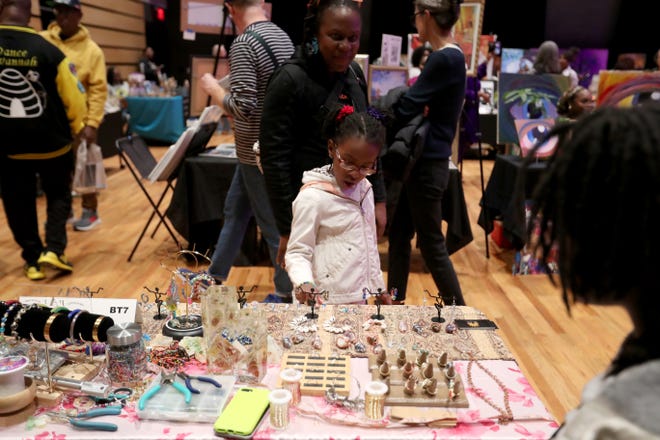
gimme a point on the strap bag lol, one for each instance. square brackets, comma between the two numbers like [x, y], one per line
[89, 175]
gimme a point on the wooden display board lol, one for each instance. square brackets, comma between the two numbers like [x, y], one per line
[320, 372]
[396, 396]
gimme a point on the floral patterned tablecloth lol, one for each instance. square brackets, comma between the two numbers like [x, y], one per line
[318, 419]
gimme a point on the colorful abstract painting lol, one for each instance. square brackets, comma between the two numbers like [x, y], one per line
[524, 96]
[625, 88]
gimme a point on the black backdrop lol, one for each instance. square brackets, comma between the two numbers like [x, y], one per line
[614, 24]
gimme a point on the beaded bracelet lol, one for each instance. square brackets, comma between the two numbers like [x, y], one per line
[3, 321]
[17, 319]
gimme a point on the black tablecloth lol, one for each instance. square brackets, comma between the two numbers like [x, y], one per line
[196, 208]
[454, 211]
[500, 199]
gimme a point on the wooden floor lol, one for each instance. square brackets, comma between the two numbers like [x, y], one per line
[557, 353]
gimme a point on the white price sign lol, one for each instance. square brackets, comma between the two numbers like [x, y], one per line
[120, 310]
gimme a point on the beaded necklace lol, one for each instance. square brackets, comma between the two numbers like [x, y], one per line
[505, 415]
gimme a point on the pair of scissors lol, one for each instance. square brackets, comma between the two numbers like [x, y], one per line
[187, 379]
[165, 378]
[80, 420]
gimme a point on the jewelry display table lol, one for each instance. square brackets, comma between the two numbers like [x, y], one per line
[502, 404]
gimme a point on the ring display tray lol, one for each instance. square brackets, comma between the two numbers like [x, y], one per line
[397, 397]
[320, 372]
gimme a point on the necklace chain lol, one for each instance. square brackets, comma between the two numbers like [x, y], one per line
[506, 415]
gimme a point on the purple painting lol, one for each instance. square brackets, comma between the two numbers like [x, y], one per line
[588, 63]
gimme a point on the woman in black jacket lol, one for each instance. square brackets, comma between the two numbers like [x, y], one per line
[321, 75]
[439, 93]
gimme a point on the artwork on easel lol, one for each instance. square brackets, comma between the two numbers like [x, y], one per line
[384, 78]
[511, 59]
[523, 96]
[588, 63]
[467, 31]
[625, 88]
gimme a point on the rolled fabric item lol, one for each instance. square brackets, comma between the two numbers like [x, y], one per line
[40, 324]
[92, 327]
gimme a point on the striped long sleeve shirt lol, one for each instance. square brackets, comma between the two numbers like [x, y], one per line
[251, 66]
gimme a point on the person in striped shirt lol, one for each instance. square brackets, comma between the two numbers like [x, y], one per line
[253, 56]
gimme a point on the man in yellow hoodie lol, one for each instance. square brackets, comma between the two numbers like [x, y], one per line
[74, 40]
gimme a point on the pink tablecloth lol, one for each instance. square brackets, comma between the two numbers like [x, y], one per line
[323, 421]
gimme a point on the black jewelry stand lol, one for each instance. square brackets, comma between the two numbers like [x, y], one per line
[159, 302]
[311, 301]
[439, 304]
[241, 292]
[377, 295]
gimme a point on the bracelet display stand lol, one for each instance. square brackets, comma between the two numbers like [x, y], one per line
[38, 323]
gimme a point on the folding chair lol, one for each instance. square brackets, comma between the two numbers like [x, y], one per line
[139, 160]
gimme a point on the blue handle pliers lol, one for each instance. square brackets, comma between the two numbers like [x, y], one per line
[79, 420]
[187, 378]
[164, 379]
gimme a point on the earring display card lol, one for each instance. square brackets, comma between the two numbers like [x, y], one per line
[475, 324]
[170, 404]
[320, 372]
[398, 397]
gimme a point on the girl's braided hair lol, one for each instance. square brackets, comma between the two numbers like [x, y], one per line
[344, 122]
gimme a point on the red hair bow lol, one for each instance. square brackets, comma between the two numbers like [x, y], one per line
[345, 111]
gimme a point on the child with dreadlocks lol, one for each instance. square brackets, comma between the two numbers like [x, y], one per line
[599, 200]
[333, 245]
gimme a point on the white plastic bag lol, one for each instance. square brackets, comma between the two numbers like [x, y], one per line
[89, 175]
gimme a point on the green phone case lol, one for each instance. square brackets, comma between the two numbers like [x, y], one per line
[243, 413]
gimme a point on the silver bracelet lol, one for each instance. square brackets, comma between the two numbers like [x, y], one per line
[73, 325]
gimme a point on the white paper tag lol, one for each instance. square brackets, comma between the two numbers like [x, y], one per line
[189, 35]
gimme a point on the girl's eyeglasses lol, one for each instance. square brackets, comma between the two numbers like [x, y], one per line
[365, 171]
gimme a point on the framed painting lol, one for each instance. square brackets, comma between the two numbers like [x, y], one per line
[467, 31]
[382, 79]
